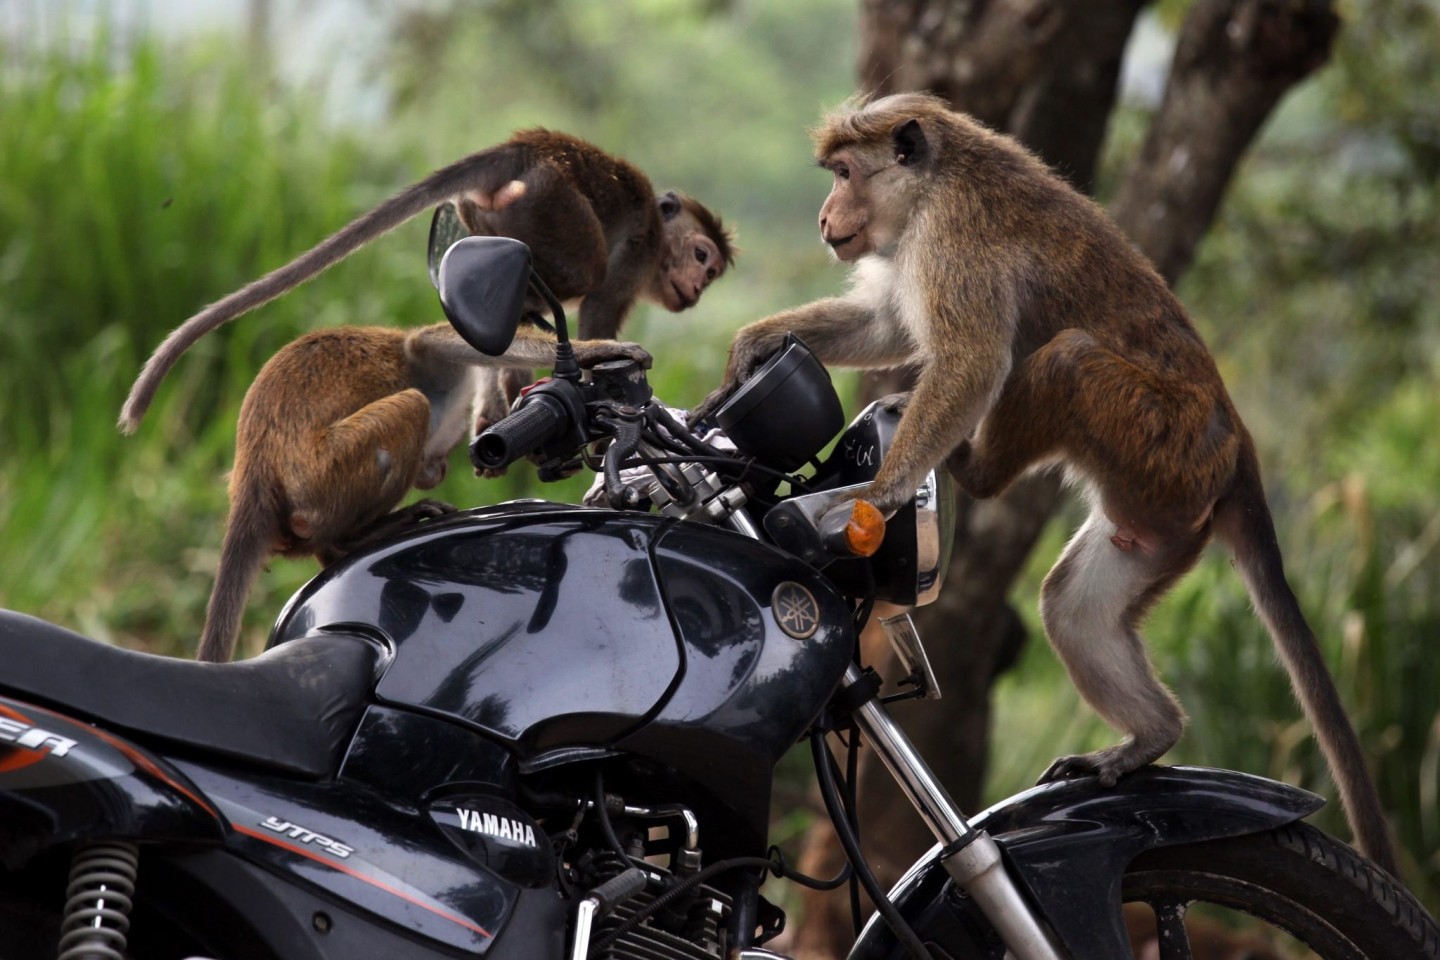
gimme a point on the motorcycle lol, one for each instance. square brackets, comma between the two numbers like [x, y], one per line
[544, 730]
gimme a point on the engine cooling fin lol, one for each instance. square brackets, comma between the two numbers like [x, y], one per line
[700, 938]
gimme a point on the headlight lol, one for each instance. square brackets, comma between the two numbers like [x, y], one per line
[911, 563]
[934, 533]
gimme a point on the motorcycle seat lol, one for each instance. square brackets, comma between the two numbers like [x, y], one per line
[293, 708]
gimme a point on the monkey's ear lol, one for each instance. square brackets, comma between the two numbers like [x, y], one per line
[669, 206]
[910, 144]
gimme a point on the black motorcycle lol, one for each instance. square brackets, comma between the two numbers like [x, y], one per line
[538, 730]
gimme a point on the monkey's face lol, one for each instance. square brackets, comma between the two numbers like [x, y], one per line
[692, 261]
[869, 202]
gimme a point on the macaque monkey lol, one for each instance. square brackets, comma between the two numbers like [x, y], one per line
[1042, 337]
[335, 430]
[592, 221]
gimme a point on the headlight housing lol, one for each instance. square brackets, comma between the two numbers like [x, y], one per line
[911, 564]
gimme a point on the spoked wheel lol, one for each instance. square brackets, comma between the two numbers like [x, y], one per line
[1318, 897]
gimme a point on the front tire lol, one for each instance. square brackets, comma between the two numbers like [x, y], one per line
[1294, 879]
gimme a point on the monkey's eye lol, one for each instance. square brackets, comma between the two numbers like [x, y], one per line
[702, 257]
[842, 171]
[669, 206]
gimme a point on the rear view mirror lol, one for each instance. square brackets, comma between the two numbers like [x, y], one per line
[482, 283]
[445, 230]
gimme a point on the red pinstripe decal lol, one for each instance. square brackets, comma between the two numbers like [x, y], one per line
[334, 864]
[20, 758]
[139, 759]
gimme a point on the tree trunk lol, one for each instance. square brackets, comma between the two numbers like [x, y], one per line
[1047, 73]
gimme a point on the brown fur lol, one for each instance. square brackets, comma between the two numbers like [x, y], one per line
[592, 221]
[336, 428]
[1042, 336]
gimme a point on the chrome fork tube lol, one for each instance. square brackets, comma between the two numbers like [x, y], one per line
[970, 856]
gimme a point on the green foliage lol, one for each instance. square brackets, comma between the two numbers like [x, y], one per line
[135, 187]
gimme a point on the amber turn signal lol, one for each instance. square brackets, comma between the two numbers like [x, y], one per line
[865, 530]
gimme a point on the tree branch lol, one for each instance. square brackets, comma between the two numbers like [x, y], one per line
[1234, 61]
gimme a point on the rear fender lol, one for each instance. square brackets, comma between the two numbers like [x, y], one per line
[1069, 843]
[63, 780]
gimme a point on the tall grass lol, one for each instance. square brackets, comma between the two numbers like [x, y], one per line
[136, 186]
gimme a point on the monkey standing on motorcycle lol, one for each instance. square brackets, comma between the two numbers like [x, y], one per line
[339, 425]
[1042, 337]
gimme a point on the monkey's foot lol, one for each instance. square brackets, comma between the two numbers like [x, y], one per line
[1107, 766]
[386, 526]
[419, 510]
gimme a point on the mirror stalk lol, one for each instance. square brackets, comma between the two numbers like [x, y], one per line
[566, 366]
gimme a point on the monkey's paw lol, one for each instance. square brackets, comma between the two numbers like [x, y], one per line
[425, 510]
[387, 526]
[706, 408]
[590, 352]
[1104, 768]
[487, 415]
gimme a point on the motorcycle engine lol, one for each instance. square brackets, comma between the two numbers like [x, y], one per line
[663, 840]
[697, 934]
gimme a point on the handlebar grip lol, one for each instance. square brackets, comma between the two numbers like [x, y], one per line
[540, 419]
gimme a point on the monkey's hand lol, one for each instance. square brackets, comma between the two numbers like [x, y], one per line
[432, 471]
[747, 354]
[712, 403]
[590, 352]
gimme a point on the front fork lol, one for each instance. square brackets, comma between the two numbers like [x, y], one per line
[969, 856]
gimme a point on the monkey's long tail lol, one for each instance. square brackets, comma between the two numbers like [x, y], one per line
[481, 171]
[1244, 524]
[247, 544]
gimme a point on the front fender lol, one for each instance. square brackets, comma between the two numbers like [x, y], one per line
[1069, 843]
[63, 780]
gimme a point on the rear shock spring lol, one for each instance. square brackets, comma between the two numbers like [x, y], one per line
[98, 901]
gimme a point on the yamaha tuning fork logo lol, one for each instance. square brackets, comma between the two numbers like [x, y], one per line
[796, 610]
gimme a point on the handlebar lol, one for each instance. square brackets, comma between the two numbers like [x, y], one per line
[552, 411]
[556, 417]
[532, 426]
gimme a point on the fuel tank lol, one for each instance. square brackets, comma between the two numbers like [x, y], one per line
[548, 628]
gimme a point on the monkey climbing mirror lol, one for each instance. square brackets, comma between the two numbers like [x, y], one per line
[482, 283]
